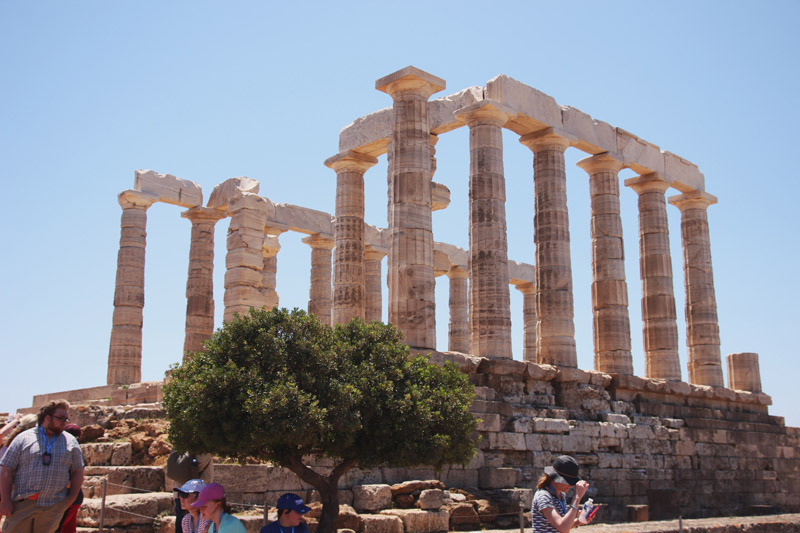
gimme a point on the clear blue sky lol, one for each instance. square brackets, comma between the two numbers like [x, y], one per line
[206, 91]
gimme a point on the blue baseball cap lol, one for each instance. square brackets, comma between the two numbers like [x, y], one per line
[193, 485]
[293, 502]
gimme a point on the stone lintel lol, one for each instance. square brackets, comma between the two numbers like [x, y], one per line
[168, 188]
[485, 112]
[548, 137]
[441, 263]
[685, 174]
[641, 156]
[131, 198]
[351, 161]
[652, 182]
[410, 79]
[533, 108]
[290, 217]
[225, 192]
[604, 162]
[520, 272]
[693, 200]
[373, 254]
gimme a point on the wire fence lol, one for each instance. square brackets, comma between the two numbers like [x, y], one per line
[265, 508]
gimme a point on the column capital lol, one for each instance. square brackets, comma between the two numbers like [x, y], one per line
[527, 287]
[603, 162]
[548, 138]
[371, 254]
[652, 182]
[456, 272]
[203, 214]
[318, 240]
[131, 198]
[693, 200]
[270, 246]
[484, 112]
[410, 79]
[351, 161]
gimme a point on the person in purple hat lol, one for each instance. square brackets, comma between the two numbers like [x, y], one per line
[214, 507]
[550, 512]
[290, 516]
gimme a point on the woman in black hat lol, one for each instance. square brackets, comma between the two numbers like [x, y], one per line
[550, 512]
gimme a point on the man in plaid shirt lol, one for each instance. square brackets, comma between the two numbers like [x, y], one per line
[44, 466]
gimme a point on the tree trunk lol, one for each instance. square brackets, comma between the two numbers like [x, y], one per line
[328, 487]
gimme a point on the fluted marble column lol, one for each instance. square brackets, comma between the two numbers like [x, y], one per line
[528, 291]
[743, 372]
[348, 255]
[412, 305]
[372, 282]
[555, 328]
[269, 273]
[458, 332]
[702, 326]
[245, 258]
[125, 347]
[319, 292]
[612, 326]
[490, 302]
[659, 319]
[200, 281]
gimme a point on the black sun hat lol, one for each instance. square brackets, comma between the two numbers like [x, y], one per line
[564, 470]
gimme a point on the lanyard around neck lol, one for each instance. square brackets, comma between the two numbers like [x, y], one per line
[48, 444]
[562, 504]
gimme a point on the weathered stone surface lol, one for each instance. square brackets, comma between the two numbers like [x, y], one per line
[228, 190]
[168, 188]
[125, 509]
[380, 523]
[494, 478]
[430, 499]
[257, 478]
[417, 520]
[369, 498]
[463, 517]
[408, 487]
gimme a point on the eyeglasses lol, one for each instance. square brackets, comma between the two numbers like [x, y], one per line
[62, 418]
[186, 494]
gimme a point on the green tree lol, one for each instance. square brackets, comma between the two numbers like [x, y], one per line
[279, 385]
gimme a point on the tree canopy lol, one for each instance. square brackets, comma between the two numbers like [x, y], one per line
[279, 385]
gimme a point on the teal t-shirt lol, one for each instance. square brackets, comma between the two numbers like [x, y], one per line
[228, 524]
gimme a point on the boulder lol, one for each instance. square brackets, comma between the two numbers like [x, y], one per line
[125, 509]
[369, 498]
[430, 499]
[417, 520]
[379, 523]
[463, 517]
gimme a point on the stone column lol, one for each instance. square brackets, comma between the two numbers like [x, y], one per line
[319, 292]
[373, 310]
[269, 283]
[555, 327]
[702, 327]
[410, 268]
[490, 302]
[245, 259]
[348, 255]
[458, 334]
[125, 348]
[528, 291]
[659, 319]
[200, 281]
[743, 372]
[612, 326]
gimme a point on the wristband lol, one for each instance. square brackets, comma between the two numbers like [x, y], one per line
[575, 508]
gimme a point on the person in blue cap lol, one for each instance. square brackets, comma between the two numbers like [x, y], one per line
[192, 521]
[290, 516]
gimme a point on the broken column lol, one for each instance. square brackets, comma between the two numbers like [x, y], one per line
[612, 327]
[659, 319]
[125, 347]
[245, 259]
[200, 281]
[702, 326]
[319, 291]
[490, 306]
[743, 372]
[555, 329]
[410, 268]
[348, 262]
[373, 308]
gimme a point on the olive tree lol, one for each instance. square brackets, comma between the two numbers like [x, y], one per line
[280, 386]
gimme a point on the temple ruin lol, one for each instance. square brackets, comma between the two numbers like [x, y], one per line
[683, 447]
